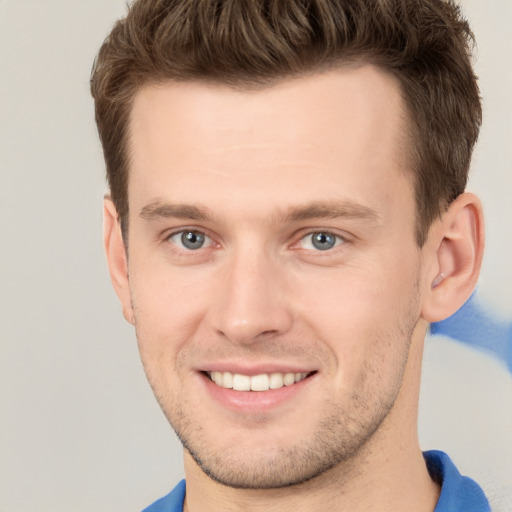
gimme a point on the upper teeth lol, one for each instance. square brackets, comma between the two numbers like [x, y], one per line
[262, 382]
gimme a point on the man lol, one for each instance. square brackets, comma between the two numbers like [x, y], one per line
[286, 216]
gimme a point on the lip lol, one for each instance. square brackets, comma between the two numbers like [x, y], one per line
[255, 402]
[254, 369]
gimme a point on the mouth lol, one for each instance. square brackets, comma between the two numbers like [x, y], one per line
[261, 382]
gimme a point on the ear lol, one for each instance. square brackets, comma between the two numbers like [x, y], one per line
[454, 250]
[116, 256]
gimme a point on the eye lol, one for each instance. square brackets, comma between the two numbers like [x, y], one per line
[190, 240]
[320, 241]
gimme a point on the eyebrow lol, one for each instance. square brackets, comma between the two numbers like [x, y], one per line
[157, 210]
[329, 210]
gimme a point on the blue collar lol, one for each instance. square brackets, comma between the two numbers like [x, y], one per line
[458, 493]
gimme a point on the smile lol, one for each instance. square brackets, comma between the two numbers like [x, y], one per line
[262, 382]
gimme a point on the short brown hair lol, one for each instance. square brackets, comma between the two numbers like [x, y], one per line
[425, 44]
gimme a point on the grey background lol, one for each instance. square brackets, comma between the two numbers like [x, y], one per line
[79, 428]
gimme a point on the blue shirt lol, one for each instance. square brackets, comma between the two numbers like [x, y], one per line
[458, 493]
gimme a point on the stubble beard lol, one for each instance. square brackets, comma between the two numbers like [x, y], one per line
[339, 440]
[335, 444]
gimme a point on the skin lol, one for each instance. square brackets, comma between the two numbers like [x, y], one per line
[257, 172]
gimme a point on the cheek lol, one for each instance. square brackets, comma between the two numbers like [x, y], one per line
[168, 307]
[345, 302]
[362, 314]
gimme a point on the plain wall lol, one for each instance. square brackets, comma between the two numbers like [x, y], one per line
[79, 427]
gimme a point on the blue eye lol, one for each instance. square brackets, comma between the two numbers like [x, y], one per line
[190, 240]
[321, 241]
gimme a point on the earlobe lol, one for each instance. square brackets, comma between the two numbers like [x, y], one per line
[455, 249]
[115, 251]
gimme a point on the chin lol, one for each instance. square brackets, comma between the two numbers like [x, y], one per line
[260, 464]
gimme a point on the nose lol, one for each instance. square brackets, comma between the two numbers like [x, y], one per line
[253, 302]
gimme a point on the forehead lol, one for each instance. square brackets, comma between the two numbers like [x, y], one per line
[339, 132]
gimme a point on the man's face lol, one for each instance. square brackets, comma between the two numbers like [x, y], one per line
[271, 244]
